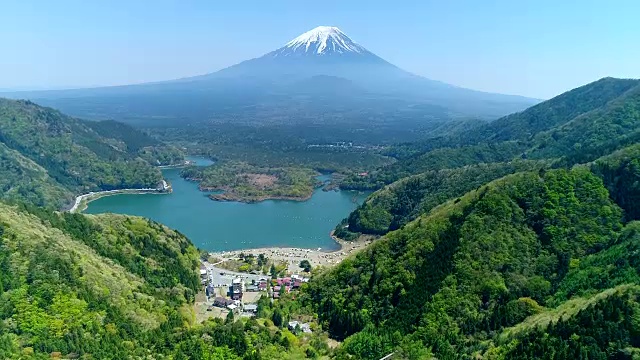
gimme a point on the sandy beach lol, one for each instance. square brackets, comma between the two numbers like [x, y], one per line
[293, 256]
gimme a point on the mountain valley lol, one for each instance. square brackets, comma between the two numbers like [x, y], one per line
[494, 227]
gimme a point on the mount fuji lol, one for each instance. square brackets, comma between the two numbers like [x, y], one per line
[323, 40]
[320, 76]
[325, 50]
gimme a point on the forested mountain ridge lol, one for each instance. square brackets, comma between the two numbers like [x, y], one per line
[24, 180]
[138, 143]
[100, 285]
[453, 281]
[48, 156]
[612, 123]
[404, 200]
[575, 127]
[620, 172]
[554, 112]
[75, 286]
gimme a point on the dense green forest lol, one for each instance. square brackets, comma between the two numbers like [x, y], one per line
[119, 287]
[318, 147]
[24, 180]
[437, 159]
[402, 201]
[101, 285]
[555, 112]
[456, 280]
[138, 143]
[47, 157]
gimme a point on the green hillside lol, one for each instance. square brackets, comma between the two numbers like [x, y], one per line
[452, 280]
[90, 284]
[24, 180]
[47, 157]
[616, 121]
[118, 287]
[620, 172]
[523, 246]
[575, 127]
[397, 204]
[603, 326]
[135, 142]
[555, 112]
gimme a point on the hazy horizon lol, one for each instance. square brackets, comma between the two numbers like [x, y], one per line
[535, 49]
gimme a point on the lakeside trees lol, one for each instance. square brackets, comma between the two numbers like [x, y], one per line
[305, 265]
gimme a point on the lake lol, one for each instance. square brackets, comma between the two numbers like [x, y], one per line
[223, 226]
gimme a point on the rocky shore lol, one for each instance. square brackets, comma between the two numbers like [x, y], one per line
[293, 256]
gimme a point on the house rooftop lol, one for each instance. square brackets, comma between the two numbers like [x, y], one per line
[306, 328]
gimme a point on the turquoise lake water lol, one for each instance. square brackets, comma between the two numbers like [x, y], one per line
[223, 226]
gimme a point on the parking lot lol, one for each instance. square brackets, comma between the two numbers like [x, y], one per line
[222, 278]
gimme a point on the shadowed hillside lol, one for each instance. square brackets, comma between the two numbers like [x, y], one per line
[48, 156]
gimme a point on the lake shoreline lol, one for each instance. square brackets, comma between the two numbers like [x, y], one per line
[228, 194]
[225, 197]
[82, 201]
[216, 226]
[293, 255]
[176, 166]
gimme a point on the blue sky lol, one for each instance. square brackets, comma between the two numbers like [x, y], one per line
[532, 48]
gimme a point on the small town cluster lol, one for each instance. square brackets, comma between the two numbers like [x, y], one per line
[239, 293]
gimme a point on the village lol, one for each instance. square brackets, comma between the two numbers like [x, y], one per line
[234, 281]
[229, 291]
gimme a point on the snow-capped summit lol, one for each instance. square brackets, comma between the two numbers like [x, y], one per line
[323, 40]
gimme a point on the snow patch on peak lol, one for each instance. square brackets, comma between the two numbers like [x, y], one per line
[324, 39]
